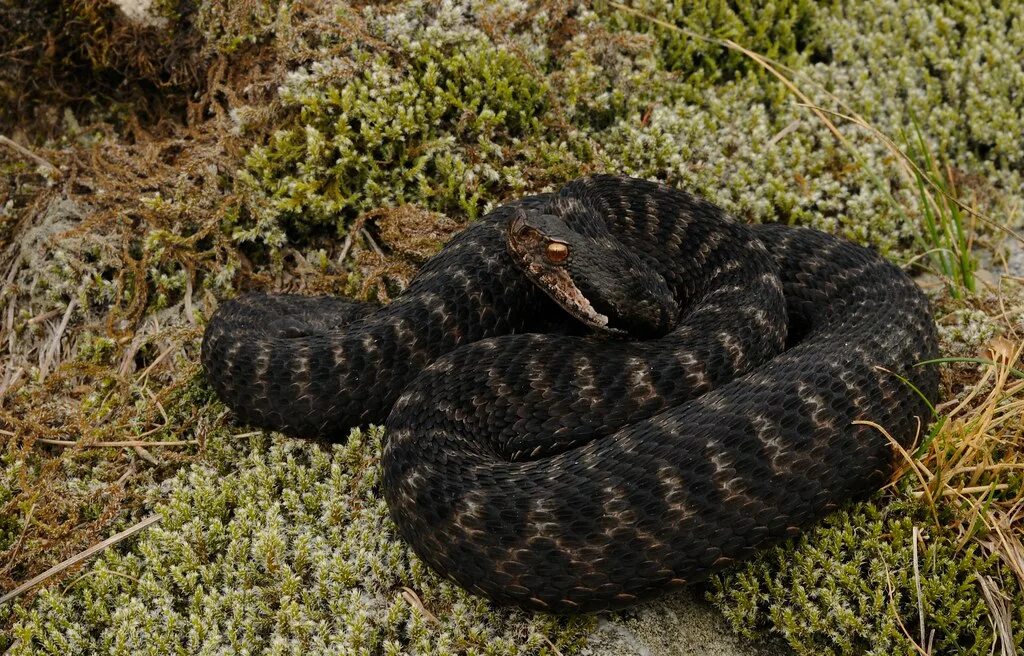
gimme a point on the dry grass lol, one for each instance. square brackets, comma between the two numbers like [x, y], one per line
[971, 466]
[99, 395]
[969, 470]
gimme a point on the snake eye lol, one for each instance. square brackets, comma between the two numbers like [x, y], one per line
[557, 252]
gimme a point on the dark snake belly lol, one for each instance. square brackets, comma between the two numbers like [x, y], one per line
[541, 465]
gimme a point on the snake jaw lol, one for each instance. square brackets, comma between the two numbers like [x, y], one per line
[560, 287]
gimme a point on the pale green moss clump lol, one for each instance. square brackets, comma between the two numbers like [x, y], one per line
[227, 28]
[762, 164]
[749, 147]
[955, 65]
[964, 331]
[288, 548]
[848, 587]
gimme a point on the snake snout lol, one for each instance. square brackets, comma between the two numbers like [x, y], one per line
[651, 315]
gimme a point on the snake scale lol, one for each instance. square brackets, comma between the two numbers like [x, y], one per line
[601, 393]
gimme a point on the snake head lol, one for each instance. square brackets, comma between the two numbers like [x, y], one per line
[592, 276]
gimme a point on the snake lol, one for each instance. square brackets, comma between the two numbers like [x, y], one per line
[598, 394]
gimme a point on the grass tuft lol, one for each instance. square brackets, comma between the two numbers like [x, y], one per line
[971, 465]
[947, 238]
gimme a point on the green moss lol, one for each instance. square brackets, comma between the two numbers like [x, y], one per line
[955, 65]
[740, 140]
[779, 29]
[601, 76]
[762, 164]
[440, 130]
[848, 587]
[285, 548]
[966, 330]
[10, 523]
[97, 349]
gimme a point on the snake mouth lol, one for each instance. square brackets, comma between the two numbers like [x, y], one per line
[557, 284]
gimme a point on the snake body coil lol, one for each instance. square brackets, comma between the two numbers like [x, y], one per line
[602, 393]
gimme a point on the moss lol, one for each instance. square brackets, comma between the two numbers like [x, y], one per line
[97, 349]
[763, 164]
[937, 60]
[780, 29]
[230, 27]
[966, 330]
[603, 76]
[848, 587]
[747, 146]
[285, 547]
[10, 523]
[437, 130]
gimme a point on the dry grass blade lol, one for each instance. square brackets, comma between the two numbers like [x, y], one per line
[552, 646]
[917, 583]
[890, 590]
[413, 599]
[924, 476]
[968, 472]
[999, 608]
[980, 445]
[116, 444]
[74, 560]
[25, 152]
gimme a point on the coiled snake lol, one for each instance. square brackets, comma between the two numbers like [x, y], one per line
[602, 393]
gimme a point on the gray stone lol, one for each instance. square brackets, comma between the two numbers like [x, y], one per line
[681, 624]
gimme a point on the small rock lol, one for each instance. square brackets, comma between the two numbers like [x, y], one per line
[678, 625]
